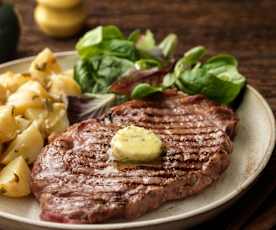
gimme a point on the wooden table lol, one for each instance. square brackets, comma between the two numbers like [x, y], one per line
[245, 28]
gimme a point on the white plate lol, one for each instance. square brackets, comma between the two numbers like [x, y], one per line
[253, 146]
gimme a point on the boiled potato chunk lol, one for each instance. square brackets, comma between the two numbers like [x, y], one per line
[57, 120]
[21, 123]
[15, 178]
[43, 66]
[7, 124]
[37, 115]
[27, 144]
[64, 84]
[22, 100]
[35, 87]
[12, 81]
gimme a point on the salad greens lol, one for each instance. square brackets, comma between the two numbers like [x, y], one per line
[97, 73]
[107, 40]
[91, 105]
[218, 78]
[114, 68]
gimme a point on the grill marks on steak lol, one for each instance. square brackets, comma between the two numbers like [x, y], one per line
[76, 183]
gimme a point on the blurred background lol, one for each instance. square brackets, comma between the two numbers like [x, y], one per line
[244, 28]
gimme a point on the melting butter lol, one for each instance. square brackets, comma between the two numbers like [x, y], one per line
[135, 144]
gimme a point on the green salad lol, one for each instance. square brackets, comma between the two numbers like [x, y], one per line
[114, 68]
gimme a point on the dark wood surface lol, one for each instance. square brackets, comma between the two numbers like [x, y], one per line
[245, 28]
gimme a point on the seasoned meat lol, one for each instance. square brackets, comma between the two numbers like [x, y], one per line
[76, 182]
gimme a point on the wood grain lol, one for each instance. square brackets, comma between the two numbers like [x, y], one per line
[245, 28]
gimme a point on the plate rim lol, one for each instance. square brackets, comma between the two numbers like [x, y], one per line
[267, 154]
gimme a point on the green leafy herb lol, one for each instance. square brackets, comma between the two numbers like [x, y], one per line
[147, 64]
[96, 74]
[168, 45]
[144, 89]
[134, 36]
[98, 35]
[218, 78]
[106, 40]
[127, 83]
[146, 41]
[190, 58]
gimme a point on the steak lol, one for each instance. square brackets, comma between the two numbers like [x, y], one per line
[76, 182]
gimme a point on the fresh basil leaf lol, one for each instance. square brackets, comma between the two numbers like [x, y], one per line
[147, 64]
[144, 89]
[146, 41]
[190, 58]
[134, 36]
[168, 45]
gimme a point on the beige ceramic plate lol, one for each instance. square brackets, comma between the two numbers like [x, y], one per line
[253, 146]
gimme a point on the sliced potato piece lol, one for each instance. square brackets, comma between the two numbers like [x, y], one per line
[57, 120]
[15, 179]
[64, 84]
[21, 123]
[22, 100]
[7, 123]
[27, 144]
[12, 81]
[43, 66]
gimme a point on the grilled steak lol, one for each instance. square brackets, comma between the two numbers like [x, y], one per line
[75, 182]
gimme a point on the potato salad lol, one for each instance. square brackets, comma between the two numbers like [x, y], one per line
[32, 107]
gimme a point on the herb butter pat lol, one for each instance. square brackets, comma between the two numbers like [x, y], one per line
[135, 144]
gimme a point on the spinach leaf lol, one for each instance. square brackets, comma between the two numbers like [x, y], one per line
[146, 41]
[144, 89]
[96, 36]
[154, 76]
[169, 80]
[106, 40]
[96, 74]
[168, 45]
[218, 78]
[82, 75]
[147, 64]
[190, 58]
[134, 36]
